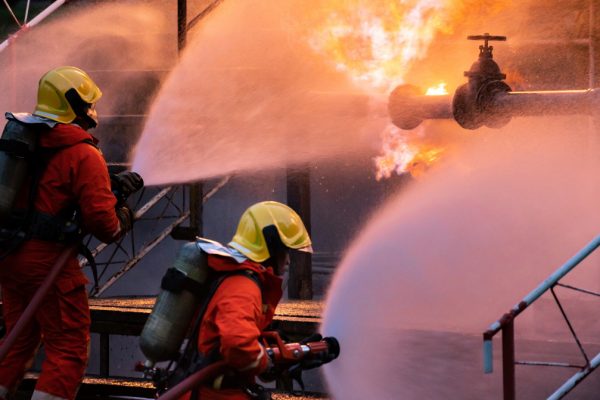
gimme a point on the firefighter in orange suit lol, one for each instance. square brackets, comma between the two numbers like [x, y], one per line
[73, 188]
[244, 304]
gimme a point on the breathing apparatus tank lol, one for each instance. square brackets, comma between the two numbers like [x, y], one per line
[182, 289]
[17, 147]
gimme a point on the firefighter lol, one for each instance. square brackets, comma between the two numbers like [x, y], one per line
[244, 304]
[72, 189]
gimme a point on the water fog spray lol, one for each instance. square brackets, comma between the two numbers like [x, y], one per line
[250, 94]
[454, 252]
[113, 42]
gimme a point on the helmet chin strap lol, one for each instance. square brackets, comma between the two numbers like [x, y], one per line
[83, 110]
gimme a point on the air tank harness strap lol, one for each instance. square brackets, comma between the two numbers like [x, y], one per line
[63, 228]
[53, 228]
[192, 345]
[191, 359]
[175, 281]
[15, 148]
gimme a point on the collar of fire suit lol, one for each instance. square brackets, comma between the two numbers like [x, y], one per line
[216, 248]
[27, 118]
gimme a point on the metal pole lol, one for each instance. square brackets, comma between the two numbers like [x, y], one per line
[195, 196]
[181, 24]
[508, 361]
[196, 208]
[13, 72]
[104, 354]
[592, 64]
[40, 17]
[298, 198]
[575, 379]
[544, 286]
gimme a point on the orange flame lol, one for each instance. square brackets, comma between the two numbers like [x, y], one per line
[438, 90]
[376, 42]
[400, 155]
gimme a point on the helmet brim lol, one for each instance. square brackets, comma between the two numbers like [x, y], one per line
[305, 249]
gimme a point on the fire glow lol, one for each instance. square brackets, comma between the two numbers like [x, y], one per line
[439, 90]
[401, 156]
[377, 42]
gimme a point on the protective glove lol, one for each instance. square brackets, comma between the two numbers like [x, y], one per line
[125, 216]
[124, 184]
[270, 373]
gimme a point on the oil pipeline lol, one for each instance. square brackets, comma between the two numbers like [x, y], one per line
[486, 99]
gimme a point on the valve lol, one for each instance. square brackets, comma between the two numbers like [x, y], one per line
[472, 104]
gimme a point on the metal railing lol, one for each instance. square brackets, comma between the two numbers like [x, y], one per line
[506, 325]
[169, 211]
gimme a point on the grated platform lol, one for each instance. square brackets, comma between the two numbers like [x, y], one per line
[127, 315]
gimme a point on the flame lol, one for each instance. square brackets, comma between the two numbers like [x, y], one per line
[377, 42]
[401, 155]
[438, 90]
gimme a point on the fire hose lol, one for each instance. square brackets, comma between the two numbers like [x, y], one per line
[194, 380]
[36, 301]
[283, 355]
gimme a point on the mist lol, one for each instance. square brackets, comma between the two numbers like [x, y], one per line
[249, 94]
[454, 252]
[122, 46]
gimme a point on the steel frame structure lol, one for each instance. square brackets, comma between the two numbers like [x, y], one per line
[165, 209]
[506, 325]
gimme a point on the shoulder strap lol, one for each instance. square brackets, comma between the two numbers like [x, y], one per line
[213, 289]
[191, 358]
[25, 223]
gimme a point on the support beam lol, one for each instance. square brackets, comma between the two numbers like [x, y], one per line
[298, 198]
[195, 227]
[508, 361]
[181, 24]
[104, 355]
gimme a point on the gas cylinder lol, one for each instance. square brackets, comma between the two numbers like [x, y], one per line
[181, 292]
[17, 146]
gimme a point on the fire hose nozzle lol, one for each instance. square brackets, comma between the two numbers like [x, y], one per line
[321, 351]
[334, 347]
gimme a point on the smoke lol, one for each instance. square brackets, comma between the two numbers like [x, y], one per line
[455, 251]
[250, 94]
[121, 45]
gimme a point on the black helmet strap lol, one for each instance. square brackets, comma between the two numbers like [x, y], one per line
[274, 245]
[81, 108]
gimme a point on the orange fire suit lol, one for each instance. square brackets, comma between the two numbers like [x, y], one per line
[76, 175]
[234, 320]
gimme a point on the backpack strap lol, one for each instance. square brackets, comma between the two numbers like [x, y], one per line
[32, 224]
[192, 360]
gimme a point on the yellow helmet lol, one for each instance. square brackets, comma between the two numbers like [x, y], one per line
[249, 238]
[65, 93]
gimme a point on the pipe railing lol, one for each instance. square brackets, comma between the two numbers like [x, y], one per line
[506, 325]
[162, 197]
[39, 18]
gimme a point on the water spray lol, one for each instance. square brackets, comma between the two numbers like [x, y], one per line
[486, 99]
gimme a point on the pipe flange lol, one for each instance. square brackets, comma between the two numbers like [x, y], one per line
[401, 107]
[464, 108]
[486, 96]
